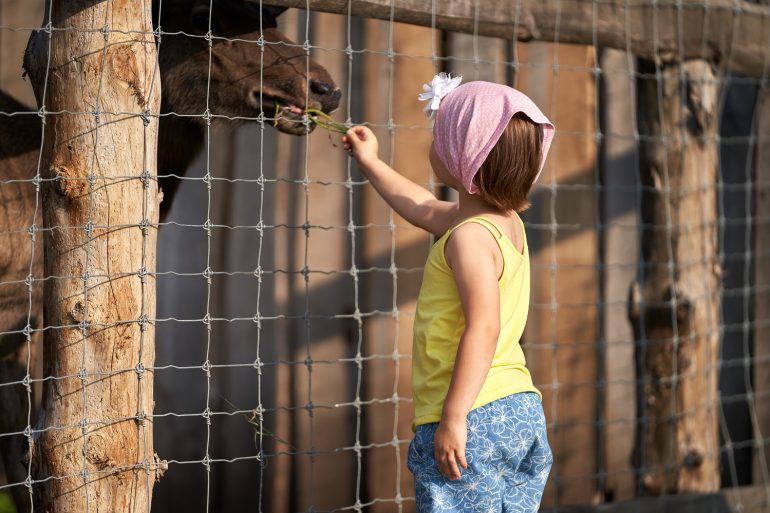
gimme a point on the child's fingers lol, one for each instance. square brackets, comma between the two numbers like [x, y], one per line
[347, 143]
[441, 457]
[447, 464]
[358, 132]
[453, 472]
[460, 455]
[351, 137]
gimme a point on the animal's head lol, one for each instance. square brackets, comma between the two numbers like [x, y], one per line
[243, 77]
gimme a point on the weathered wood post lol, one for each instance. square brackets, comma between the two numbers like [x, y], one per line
[92, 449]
[674, 306]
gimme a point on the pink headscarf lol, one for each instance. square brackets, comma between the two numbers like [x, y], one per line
[470, 120]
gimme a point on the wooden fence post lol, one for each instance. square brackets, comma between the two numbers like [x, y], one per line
[674, 305]
[93, 447]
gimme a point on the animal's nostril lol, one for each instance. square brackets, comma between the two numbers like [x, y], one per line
[330, 102]
[320, 88]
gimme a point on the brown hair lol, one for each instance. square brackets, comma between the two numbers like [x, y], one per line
[507, 175]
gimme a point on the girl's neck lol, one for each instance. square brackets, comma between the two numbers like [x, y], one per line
[472, 205]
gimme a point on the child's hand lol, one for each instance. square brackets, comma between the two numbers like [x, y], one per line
[449, 452]
[361, 143]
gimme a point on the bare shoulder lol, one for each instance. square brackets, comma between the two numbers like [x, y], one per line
[472, 232]
[511, 227]
[471, 241]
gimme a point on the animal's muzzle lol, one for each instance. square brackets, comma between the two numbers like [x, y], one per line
[326, 94]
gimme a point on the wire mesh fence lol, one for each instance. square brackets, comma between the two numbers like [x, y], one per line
[286, 287]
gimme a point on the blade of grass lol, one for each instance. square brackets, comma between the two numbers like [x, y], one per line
[317, 117]
[325, 121]
[277, 114]
[258, 429]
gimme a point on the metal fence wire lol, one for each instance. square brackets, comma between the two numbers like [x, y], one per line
[286, 287]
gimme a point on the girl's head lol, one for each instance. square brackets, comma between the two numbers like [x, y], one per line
[509, 171]
[493, 140]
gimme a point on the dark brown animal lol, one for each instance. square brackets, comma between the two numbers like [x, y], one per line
[247, 78]
[241, 84]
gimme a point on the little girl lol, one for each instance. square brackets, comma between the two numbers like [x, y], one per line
[480, 435]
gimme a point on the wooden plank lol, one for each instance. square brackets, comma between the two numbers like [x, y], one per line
[16, 14]
[476, 57]
[560, 340]
[182, 250]
[761, 403]
[326, 468]
[279, 482]
[318, 469]
[406, 149]
[621, 209]
[732, 33]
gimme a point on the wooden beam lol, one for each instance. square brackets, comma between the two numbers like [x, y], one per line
[621, 209]
[674, 307]
[563, 269]
[736, 34]
[93, 447]
[324, 480]
[405, 148]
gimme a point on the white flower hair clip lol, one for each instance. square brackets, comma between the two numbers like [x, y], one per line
[441, 85]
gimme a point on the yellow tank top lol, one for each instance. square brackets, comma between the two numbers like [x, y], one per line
[439, 323]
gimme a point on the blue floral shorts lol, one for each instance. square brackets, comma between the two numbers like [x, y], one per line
[508, 461]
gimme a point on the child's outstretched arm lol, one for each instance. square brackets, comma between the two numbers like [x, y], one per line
[476, 262]
[414, 203]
